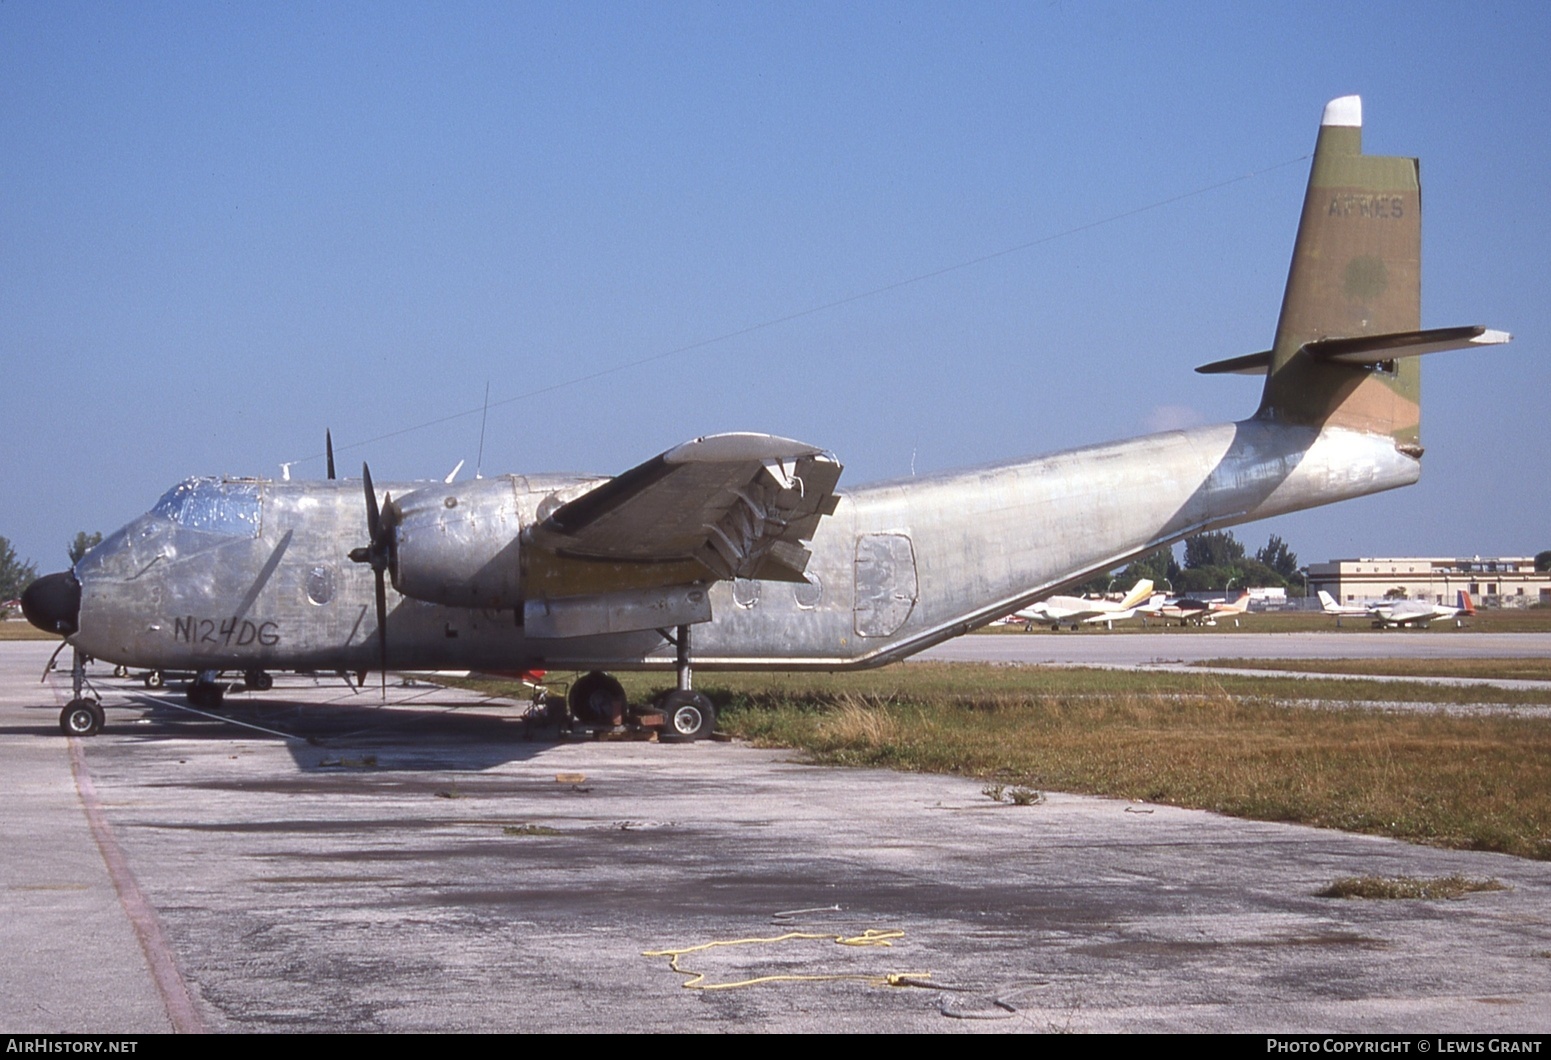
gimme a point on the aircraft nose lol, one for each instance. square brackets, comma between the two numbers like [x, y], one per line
[53, 603]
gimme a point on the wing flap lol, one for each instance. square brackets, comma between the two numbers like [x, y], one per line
[740, 505]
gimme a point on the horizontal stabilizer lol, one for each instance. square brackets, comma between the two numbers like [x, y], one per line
[1249, 364]
[1376, 349]
[1368, 349]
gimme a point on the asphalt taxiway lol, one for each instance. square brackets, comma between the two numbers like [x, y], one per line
[1185, 646]
[423, 866]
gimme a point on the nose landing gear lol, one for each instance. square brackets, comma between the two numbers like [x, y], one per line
[83, 715]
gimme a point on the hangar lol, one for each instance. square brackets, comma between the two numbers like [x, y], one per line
[1504, 581]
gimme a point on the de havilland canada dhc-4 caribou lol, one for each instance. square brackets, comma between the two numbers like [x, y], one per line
[735, 551]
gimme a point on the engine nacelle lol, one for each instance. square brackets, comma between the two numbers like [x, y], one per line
[459, 545]
[622, 611]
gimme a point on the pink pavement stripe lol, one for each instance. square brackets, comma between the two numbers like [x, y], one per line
[158, 954]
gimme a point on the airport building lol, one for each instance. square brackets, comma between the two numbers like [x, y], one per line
[1506, 581]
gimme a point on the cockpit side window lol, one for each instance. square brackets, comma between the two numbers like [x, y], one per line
[213, 506]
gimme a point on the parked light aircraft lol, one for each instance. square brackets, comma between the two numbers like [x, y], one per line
[1075, 610]
[1328, 604]
[1188, 609]
[1396, 614]
[736, 551]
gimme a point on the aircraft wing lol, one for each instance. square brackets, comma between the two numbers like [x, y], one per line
[1112, 616]
[1402, 611]
[739, 505]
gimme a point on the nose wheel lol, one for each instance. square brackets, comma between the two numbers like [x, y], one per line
[82, 717]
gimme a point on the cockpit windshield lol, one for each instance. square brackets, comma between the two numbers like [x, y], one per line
[213, 506]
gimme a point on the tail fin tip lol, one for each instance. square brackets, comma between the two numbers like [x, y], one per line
[1347, 111]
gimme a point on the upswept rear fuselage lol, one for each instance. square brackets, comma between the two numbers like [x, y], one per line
[257, 575]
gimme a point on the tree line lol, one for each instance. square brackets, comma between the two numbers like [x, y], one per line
[1215, 561]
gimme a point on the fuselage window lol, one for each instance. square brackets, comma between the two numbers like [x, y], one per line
[320, 584]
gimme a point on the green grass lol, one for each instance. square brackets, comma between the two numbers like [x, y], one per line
[1015, 796]
[529, 830]
[933, 682]
[1392, 887]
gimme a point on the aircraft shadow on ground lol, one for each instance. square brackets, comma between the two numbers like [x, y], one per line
[432, 733]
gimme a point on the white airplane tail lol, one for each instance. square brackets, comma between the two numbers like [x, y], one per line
[1139, 592]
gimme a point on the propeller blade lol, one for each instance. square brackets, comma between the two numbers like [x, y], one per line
[328, 444]
[373, 514]
[382, 631]
[378, 552]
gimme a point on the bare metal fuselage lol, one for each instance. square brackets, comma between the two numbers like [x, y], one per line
[652, 568]
[896, 568]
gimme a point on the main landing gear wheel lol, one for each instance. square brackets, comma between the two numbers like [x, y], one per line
[688, 716]
[82, 717]
[154, 679]
[258, 680]
[597, 699]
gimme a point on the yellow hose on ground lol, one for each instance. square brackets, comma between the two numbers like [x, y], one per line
[870, 937]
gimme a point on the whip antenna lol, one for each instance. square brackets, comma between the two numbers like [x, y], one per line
[479, 461]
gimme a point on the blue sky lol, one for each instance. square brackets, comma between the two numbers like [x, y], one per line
[229, 226]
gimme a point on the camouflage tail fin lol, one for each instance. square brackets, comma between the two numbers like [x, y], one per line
[1349, 333]
[1356, 272]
